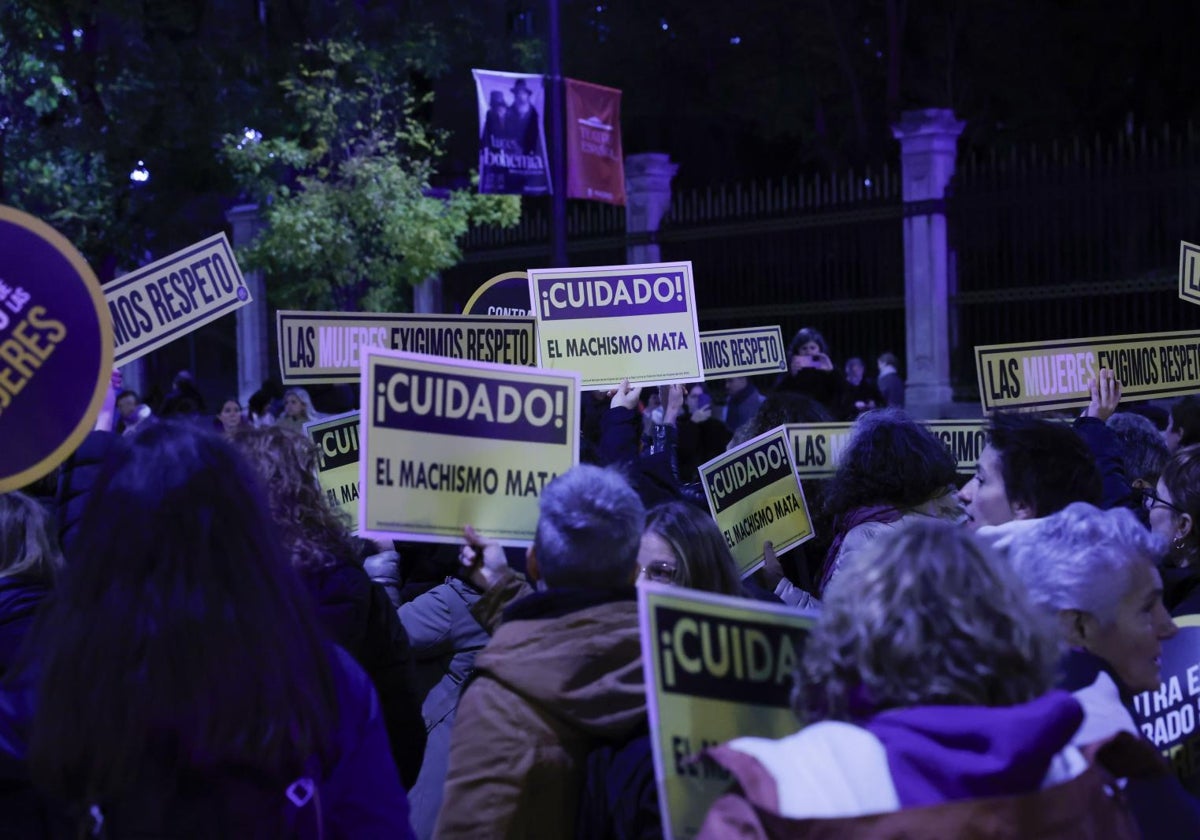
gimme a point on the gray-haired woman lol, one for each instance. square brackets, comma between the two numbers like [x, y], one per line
[1094, 573]
[925, 684]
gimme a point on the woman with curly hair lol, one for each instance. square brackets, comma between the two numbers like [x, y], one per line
[892, 471]
[925, 687]
[356, 613]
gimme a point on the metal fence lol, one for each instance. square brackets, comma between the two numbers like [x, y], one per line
[1071, 240]
[1059, 241]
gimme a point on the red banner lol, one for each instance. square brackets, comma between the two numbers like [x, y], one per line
[595, 163]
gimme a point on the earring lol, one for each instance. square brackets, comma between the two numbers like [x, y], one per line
[1179, 545]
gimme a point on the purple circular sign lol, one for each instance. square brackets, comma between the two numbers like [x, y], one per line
[56, 348]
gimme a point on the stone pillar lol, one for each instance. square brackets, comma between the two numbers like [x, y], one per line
[647, 199]
[427, 296]
[928, 148]
[253, 321]
[133, 376]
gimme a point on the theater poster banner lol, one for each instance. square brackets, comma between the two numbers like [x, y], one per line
[716, 668]
[755, 496]
[449, 442]
[512, 135]
[595, 163]
[1170, 717]
[1048, 375]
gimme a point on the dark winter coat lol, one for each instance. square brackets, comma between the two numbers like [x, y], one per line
[359, 617]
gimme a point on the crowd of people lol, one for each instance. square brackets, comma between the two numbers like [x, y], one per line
[194, 644]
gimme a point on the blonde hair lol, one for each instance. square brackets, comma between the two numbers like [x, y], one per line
[313, 534]
[927, 616]
[28, 547]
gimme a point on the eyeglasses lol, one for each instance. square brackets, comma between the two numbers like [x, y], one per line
[659, 572]
[1151, 501]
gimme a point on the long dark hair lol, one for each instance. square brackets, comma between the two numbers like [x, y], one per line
[892, 460]
[179, 639]
[702, 559]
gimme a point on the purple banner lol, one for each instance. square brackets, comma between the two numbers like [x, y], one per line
[616, 296]
[468, 406]
[512, 140]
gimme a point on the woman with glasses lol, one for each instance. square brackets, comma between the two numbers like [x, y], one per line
[1173, 508]
[681, 545]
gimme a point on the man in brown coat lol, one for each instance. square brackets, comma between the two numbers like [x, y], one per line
[562, 673]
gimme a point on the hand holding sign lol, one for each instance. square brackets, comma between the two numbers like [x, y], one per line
[1106, 395]
[483, 558]
[625, 396]
[674, 402]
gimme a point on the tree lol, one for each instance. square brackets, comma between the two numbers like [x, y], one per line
[351, 219]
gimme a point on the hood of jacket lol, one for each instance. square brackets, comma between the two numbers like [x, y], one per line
[944, 753]
[577, 656]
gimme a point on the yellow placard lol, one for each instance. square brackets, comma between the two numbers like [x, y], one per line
[746, 352]
[817, 447]
[754, 496]
[326, 347]
[1189, 272]
[1045, 375]
[609, 323]
[449, 443]
[171, 297]
[716, 668]
[336, 439]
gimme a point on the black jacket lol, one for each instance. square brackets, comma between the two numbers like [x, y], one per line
[20, 598]
[358, 615]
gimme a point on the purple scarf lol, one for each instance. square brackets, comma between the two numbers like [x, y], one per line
[846, 523]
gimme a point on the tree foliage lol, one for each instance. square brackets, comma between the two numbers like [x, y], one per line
[351, 218]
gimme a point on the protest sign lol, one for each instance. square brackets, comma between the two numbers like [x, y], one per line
[328, 346]
[512, 139]
[1189, 272]
[1045, 375]
[745, 352]
[448, 443]
[595, 163]
[754, 495]
[635, 322]
[504, 294]
[56, 348]
[1168, 717]
[336, 439]
[171, 297]
[716, 668]
[817, 447]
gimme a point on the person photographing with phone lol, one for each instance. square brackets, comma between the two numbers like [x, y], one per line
[811, 371]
